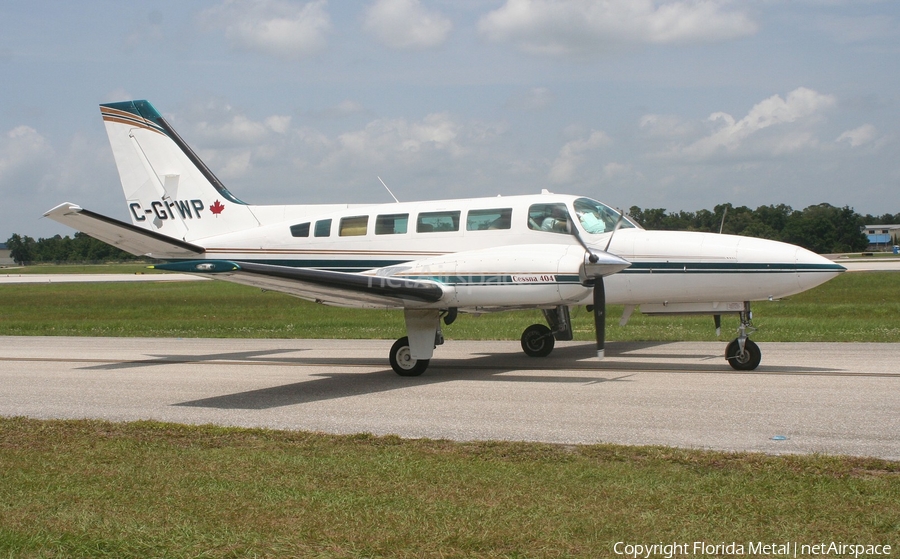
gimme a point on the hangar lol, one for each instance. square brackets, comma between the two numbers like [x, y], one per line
[882, 237]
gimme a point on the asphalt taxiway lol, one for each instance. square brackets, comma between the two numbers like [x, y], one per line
[834, 398]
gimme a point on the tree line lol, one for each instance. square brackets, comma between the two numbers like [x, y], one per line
[57, 249]
[822, 228]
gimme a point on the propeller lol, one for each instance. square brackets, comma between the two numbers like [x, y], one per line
[600, 316]
[597, 265]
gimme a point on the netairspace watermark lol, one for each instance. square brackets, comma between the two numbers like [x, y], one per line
[749, 549]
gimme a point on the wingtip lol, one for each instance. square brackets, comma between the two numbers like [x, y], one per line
[64, 208]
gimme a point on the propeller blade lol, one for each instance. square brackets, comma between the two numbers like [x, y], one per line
[600, 315]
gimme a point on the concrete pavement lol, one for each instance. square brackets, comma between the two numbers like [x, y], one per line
[805, 397]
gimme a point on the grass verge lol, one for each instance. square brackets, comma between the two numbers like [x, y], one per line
[854, 307]
[97, 489]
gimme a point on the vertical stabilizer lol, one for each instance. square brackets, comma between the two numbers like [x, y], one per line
[168, 189]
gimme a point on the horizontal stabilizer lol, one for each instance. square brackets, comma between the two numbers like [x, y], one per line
[136, 240]
[324, 286]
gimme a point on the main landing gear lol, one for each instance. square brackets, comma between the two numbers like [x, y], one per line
[538, 340]
[742, 354]
[411, 354]
[403, 362]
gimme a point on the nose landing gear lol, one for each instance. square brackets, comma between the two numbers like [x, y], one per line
[742, 354]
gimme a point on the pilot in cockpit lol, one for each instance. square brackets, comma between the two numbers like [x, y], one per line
[591, 222]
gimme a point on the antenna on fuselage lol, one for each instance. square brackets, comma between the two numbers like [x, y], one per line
[389, 190]
[722, 225]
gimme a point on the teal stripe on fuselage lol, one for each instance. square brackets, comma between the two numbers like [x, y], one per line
[726, 268]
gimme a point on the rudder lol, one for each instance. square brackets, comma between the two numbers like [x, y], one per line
[167, 187]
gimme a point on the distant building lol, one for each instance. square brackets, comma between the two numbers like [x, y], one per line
[5, 258]
[882, 237]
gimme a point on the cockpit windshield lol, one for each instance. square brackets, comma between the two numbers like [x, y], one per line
[598, 218]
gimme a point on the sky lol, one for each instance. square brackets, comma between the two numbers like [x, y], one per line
[675, 104]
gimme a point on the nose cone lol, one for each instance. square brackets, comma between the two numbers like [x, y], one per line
[599, 263]
[798, 268]
[814, 269]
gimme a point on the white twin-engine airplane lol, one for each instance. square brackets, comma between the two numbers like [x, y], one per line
[435, 259]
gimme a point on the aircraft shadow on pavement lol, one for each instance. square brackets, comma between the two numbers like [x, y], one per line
[495, 367]
[155, 360]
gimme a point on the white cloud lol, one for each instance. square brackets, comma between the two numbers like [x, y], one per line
[405, 24]
[665, 126]
[22, 150]
[278, 123]
[36, 176]
[236, 164]
[858, 136]
[613, 169]
[558, 27]
[218, 125]
[238, 130]
[572, 155]
[396, 140]
[276, 27]
[232, 143]
[801, 105]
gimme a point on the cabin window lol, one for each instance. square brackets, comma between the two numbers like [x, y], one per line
[323, 228]
[437, 221]
[482, 220]
[391, 224]
[549, 217]
[300, 230]
[353, 226]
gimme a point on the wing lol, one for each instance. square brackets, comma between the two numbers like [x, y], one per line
[323, 286]
[123, 235]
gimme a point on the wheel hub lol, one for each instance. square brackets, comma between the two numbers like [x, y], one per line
[405, 360]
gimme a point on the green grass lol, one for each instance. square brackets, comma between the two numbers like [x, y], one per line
[859, 306]
[96, 489]
[131, 268]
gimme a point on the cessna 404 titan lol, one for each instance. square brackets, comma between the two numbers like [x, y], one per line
[434, 259]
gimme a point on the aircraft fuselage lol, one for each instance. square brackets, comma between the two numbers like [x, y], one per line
[474, 245]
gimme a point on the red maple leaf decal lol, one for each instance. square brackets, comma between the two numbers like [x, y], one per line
[216, 208]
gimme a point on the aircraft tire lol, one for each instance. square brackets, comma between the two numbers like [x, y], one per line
[537, 341]
[403, 363]
[747, 361]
